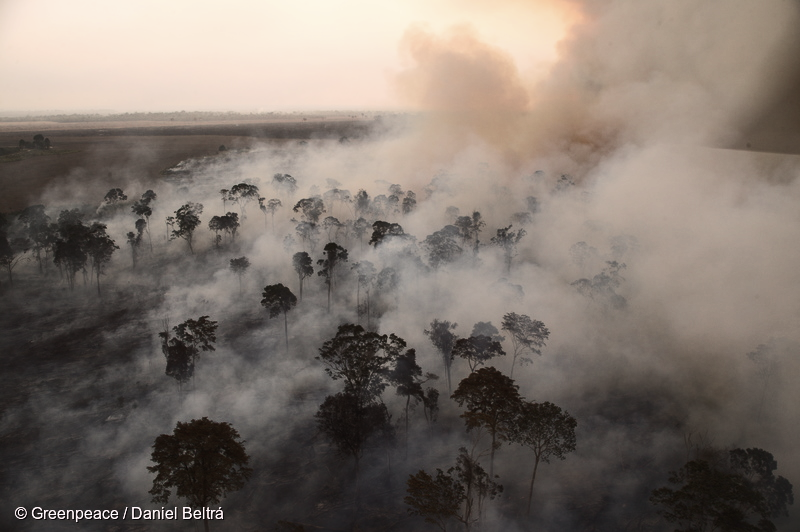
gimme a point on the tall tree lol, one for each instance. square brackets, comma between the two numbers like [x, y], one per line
[278, 299]
[99, 247]
[407, 378]
[308, 233]
[303, 266]
[546, 430]
[362, 203]
[507, 240]
[242, 194]
[272, 207]
[202, 460]
[527, 335]
[185, 221]
[39, 231]
[491, 399]
[239, 267]
[367, 276]
[11, 251]
[360, 227]
[134, 241]
[409, 203]
[334, 256]
[443, 339]
[143, 209]
[362, 359]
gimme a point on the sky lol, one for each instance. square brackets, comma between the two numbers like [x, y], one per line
[246, 55]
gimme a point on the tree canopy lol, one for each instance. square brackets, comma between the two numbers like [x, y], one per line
[740, 493]
[202, 460]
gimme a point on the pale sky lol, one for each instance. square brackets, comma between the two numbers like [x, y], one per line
[241, 55]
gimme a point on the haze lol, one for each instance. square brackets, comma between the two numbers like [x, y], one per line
[243, 56]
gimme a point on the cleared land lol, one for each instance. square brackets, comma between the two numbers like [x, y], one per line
[108, 149]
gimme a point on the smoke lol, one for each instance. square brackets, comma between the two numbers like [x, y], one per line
[635, 111]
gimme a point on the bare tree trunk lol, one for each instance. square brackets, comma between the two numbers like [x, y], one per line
[286, 330]
[530, 491]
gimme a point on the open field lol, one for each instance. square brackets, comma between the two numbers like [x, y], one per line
[110, 149]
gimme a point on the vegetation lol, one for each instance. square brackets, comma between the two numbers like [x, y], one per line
[339, 440]
[202, 460]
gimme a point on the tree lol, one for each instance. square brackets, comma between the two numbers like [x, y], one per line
[99, 248]
[225, 194]
[239, 267]
[202, 460]
[367, 276]
[180, 359]
[469, 227]
[442, 247]
[39, 231]
[303, 266]
[228, 224]
[199, 334]
[407, 377]
[272, 206]
[13, 251]
[243, 194]
[546, 430]
[458, 494]
[308, 233]
[185, 221]
[349, 423]
[334, 255]
[310, 209]
[285, 182]
[332, 226]
[70, 248]
[142, 208]
[360, 227]
[135, 239]
[278, 299]
[492, 400]
[362, 359]
[486, 328]
[113, 198]
[443, 340]
[507, 240]
[437, 499]
[183, 349]
[385, 232]
[602, 287]
[362, 203]
[526, 335]
[409, 203]
[740, 494]
[476, 350]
